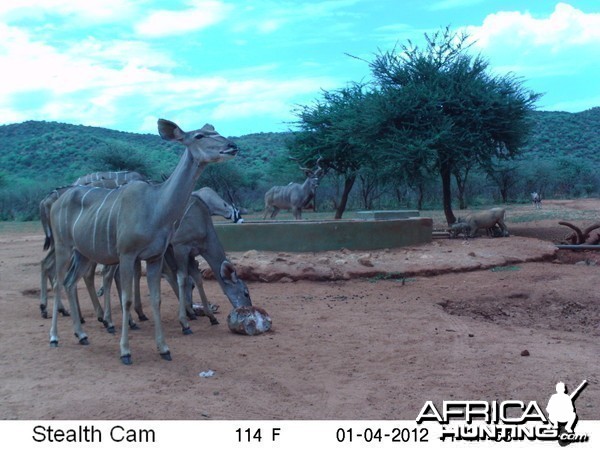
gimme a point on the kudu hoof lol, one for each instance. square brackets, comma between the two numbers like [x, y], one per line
[83, 341]
[53, 344]
[82, 321]
[166, 356]
[43, 311]
[111, 329]
[134, 326]
[187, 331]
[65, 313]
[214, 321]
[126, 359]
[142, 317]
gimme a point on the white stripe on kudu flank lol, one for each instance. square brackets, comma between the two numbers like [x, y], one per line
[108, 222]
[80, 212]
[96, 218]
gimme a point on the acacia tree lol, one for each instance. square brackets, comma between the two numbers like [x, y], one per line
[445, 102]
[341, 129]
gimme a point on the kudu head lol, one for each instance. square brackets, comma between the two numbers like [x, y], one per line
[233, 287]
[205, 144]
[313, 175]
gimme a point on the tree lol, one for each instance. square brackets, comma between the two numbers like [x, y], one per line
[450, 104]
[114, 155]
[504, 175]
[340, 128]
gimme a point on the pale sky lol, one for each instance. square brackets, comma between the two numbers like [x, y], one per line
[245, 65]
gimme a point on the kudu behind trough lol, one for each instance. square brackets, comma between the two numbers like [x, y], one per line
[125, 225]
[294, 196]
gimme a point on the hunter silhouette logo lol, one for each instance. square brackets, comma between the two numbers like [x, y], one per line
[508, 420]
[561, 411]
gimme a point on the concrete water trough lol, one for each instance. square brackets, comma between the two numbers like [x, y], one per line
[324, 235]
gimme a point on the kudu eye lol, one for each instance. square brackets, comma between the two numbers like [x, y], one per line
[198, 136]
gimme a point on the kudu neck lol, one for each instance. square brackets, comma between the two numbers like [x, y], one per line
[176, 190]
[307, 186]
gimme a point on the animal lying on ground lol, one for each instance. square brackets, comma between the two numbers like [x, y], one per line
[485, 220]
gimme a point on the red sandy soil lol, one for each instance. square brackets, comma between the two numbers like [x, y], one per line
[356, 335]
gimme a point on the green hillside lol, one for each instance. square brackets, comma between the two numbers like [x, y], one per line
[35, 157]
[562, 134]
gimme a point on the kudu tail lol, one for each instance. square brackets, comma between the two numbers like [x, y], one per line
[47, 242]
[77, 269]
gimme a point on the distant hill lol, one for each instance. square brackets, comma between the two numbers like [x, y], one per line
[58, 153]
[560, 134]
[36, 157]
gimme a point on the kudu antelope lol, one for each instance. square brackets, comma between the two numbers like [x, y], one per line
[122, 226]
[108, 180]
[195, 236]
[219, 207]
[294, 196]
[536, 200]
[119, 178]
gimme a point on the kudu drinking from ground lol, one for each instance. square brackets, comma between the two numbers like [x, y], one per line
[195, 236]
[294, 196]
[122, 226]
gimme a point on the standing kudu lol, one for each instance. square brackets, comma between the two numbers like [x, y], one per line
[294, 196]
[108, 180]
[119, 178]
[536, 200]
[195, 236]
[122, 226]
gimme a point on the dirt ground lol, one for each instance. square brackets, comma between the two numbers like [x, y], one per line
[366, 335]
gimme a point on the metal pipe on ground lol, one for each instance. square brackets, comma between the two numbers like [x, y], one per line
[577, 247]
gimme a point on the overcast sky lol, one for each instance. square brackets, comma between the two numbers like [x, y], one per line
[244, 65]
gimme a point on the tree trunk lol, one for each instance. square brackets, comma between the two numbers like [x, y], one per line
[348, 183]
[446, 172]
[504, 194]
[420, 196]
[461, 186]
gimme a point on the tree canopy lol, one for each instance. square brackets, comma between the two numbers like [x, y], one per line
[436, 108]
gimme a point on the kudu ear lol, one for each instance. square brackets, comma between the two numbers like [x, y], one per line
[228, 272]
[169, 131]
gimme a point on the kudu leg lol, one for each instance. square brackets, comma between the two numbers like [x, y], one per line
[138, 298]
[117, 278]
[126, 274]
[48, 274]
[88, 279]
[44, 287]
[108, 275]
[78, 266]
[197, 277]
[175, 270]
[182, 280]
[153, 270]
